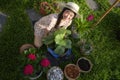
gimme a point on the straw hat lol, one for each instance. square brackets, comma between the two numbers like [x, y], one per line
[72, 6]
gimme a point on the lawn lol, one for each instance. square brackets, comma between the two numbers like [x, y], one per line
[105, 38]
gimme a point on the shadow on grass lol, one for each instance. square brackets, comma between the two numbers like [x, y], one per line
[112, 23]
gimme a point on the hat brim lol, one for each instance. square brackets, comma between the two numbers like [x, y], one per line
[62, 5]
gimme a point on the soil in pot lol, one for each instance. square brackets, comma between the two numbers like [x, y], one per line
[84, 64]
[72, 71]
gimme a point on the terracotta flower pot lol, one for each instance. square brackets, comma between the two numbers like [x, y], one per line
[71, 71]
[44, 8]
[84, 64]
[25, 47]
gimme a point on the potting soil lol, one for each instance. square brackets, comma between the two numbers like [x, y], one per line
[84, 64]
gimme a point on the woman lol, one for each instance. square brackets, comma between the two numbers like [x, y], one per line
[52, 22]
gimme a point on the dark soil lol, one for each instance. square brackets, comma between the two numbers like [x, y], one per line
[84, 64]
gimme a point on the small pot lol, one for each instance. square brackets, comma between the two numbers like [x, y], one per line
[84, 64]
[44, 8]
[71, 71]
[25, 47]
[55, 73]
[86, 47]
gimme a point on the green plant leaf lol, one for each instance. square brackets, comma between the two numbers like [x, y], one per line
[26, 52]
[68, 43]
[32, 50]
[59, 50]
[48, 40]
[81, 18]
[59, 39]
[62, 31]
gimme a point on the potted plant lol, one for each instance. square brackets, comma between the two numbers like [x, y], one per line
[45, 8]
[33, 64]
[71, 71]
[48, 7]
[59, 43]
[84, 64]
[83, 25]
[85, 47]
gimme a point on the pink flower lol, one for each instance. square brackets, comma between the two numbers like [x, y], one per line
[90, 17]
[45, 62]
[28, 69]
[32, 56]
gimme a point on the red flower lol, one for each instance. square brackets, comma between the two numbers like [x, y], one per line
[32, 56]
[28, 69]
[90, 17]
[45, 62]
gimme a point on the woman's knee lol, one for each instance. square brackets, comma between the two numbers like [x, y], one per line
[37, 41]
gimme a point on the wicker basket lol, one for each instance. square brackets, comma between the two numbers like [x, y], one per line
[76, 68]
[25, 46]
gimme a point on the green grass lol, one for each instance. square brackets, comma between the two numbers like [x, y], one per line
[18, 30]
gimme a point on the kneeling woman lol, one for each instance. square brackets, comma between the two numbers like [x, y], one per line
[52, 22]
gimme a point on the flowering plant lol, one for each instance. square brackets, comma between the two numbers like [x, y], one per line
[83, 24]
[45, 7]
[33, 62]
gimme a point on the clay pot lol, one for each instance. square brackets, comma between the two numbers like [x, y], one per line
[71, 71]
[25, 47]
[84, 64]
[44, 8]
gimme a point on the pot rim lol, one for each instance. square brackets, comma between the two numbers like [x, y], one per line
[33, 78]
[25, 46]
[66, 73]
[91, 65]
